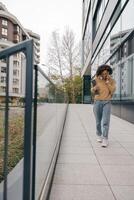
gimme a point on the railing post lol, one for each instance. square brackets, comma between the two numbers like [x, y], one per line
[35, 130]
[27, 180]
[6, 131]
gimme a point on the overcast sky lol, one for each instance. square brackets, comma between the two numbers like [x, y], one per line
[45, 16]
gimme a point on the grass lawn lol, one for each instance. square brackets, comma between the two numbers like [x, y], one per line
[16, 133]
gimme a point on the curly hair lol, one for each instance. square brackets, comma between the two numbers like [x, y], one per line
[103, 67]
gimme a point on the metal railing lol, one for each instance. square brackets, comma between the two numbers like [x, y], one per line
[53, 102]
[27, 48]
[40, 102]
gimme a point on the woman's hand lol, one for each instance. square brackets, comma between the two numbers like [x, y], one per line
[108, 79]
[96, 87]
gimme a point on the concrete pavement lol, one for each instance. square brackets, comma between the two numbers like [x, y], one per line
[85, 170]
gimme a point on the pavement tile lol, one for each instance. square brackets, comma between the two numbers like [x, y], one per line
[115, 160]
[123, 192]
[79, 174]
[77, 158]
[76, 150]
[80, 192]
[110, 151]
[119, 175]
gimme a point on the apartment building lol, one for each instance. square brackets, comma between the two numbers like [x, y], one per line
[12, 32]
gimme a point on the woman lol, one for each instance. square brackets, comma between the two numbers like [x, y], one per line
[103, 87]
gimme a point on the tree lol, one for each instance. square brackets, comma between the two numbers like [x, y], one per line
[70, 51]
[77, 83]
[64, 61]
[78, 88]
[55, 62]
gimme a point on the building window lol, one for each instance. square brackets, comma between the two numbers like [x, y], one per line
[15, 90]
[100, 9]
[15, 72]
[4, 22]
[3, 70]
[16, 38]
[88, 36]
[16, 63]
[97, 18]
[18, 29]
[15, 81]
[3, 79]
[4, 31]
[131, 45]
[16, 56]
[3, 89]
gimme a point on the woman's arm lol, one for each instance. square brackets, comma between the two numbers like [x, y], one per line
[94, 86]
[111, 85]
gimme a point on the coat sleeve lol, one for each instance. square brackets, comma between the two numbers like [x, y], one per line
[92, 88]
[111, 86]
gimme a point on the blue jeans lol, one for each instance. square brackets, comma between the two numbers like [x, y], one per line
[102, 110]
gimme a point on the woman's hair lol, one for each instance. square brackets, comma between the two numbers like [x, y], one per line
[101, 68]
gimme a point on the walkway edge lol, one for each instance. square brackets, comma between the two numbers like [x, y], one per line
[46, 189]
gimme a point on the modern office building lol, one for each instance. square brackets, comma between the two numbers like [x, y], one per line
[108, 37]
[12, 32]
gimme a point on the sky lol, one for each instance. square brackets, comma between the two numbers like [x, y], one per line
[45, 16]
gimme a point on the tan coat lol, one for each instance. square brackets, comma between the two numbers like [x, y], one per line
[105, 91]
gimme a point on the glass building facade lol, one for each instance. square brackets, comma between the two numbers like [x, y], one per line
[108, 37]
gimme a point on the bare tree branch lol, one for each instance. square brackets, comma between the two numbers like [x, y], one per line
[54, 55]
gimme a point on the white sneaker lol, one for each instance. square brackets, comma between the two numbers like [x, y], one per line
[99, 139]
[104, 142]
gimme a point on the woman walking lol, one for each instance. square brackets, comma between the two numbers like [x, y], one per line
[103, 87]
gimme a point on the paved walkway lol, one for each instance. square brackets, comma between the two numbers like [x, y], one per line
[85, 170]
